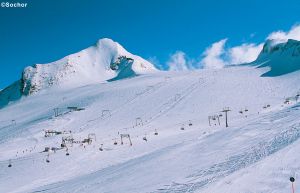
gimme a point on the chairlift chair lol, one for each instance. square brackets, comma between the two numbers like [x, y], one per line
[155, 133]
[101, 147]
[115, 143]
[145, 138]
[47, 159]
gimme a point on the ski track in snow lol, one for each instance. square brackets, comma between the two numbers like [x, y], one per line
[264, 148]
[173, 161]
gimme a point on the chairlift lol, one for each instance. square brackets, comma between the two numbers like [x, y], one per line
[138, 121]
[47, 159]
[115, 143]
[145, 138]
[101, 147]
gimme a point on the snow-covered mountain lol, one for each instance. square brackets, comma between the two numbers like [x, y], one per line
[281, 57]
[107, 60]
[161, 133]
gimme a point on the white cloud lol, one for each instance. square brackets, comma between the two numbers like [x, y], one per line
[179, 62]
[244, 53]
[281, 36]
[213, 55]
[218, 55]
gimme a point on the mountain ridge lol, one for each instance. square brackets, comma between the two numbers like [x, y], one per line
[105, 61]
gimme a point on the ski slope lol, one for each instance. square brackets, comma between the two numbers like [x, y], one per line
[256, 153]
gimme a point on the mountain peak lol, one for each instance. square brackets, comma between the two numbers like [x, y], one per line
[105, 61]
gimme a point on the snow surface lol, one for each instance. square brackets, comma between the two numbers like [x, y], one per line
[258, 152]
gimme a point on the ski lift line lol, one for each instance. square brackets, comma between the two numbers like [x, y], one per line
[172, 100]
[153, 87]
[121, 107]
[22, 159]
[32, 156]
[173, 103]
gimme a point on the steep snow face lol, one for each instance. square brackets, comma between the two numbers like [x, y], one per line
[107, 60]
[87, 66]
[282, 58]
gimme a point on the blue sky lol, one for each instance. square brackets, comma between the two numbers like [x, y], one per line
[48, 30]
